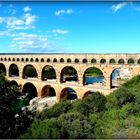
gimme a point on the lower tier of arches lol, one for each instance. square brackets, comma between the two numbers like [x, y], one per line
[33, 89]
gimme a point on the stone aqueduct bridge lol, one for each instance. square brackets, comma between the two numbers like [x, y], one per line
[107, 63]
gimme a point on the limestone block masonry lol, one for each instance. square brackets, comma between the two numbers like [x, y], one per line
[81, 62]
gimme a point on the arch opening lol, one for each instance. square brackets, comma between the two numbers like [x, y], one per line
[48, 91]
[68, 60]
[62, 60]
[131, 61]
[3, 68]
[54, 60]
[29, 71]
[13, 70]
[121, 61]
[84, 60]
[48, 73]
[119, 76]
[88, 93]
[13, 82]
[68, 74]
[103, 61]
[112, 61]
[68, 94]
[29, 91]
[76, 60]
[138, 61]
[42, 59]
[94, 61]
[93, 76]
[31, 60]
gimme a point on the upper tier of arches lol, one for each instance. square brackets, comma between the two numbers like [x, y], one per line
[92, 60]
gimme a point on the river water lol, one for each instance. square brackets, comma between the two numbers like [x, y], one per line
[98, 79]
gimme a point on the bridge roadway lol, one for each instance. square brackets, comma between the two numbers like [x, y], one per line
[107, 63]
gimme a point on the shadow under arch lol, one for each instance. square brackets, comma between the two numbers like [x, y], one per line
[3, 68]
[68, 73]
[13, 82]
[29, 90]
[48, 91]
[93, 75]
[29, 71]
[68, 94]
[48, 73]
[13, 70]
[87, 93]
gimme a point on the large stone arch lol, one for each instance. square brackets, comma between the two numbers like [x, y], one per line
[87, 93]
[13, 70]
[68, 73]
[89, 76]
[48, 91]
[13, 82]
[68, 93]
[3, 68]
[48, 73]
[29, 90]
[29, 71]
[118, 74]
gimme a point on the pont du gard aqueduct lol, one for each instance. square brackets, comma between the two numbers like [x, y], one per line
[14, 67]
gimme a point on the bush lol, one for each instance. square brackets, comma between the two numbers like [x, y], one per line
[73, 125]
[56, 110]
[93, 103]
[46, 129]
[132, 82]
[119, 98]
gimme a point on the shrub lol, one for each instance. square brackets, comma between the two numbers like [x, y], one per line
[93, 103]
[119, 98]
[56, 110]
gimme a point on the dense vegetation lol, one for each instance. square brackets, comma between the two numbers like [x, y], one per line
[30, 71]
[97, 116]
[13, 121]
[114, 116]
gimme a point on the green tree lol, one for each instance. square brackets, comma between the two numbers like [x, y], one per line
[74, 125]
[56, 110]
[10, 125]
[30, 71]
[94, 102]
[47, 129]
[120, 97]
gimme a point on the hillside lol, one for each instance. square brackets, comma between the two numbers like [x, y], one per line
[114, 116]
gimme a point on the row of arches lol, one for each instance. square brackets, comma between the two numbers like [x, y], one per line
[92, 75]
[29, 91]
[76, 60]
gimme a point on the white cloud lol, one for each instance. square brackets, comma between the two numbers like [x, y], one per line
[62, 12]
[118, 6]
[25, 42]
[29, 42]
[59, 31]
[24, 22]
[27, 9]
[7, 33]
[29, 19]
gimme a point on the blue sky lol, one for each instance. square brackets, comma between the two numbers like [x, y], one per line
[70, 27]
